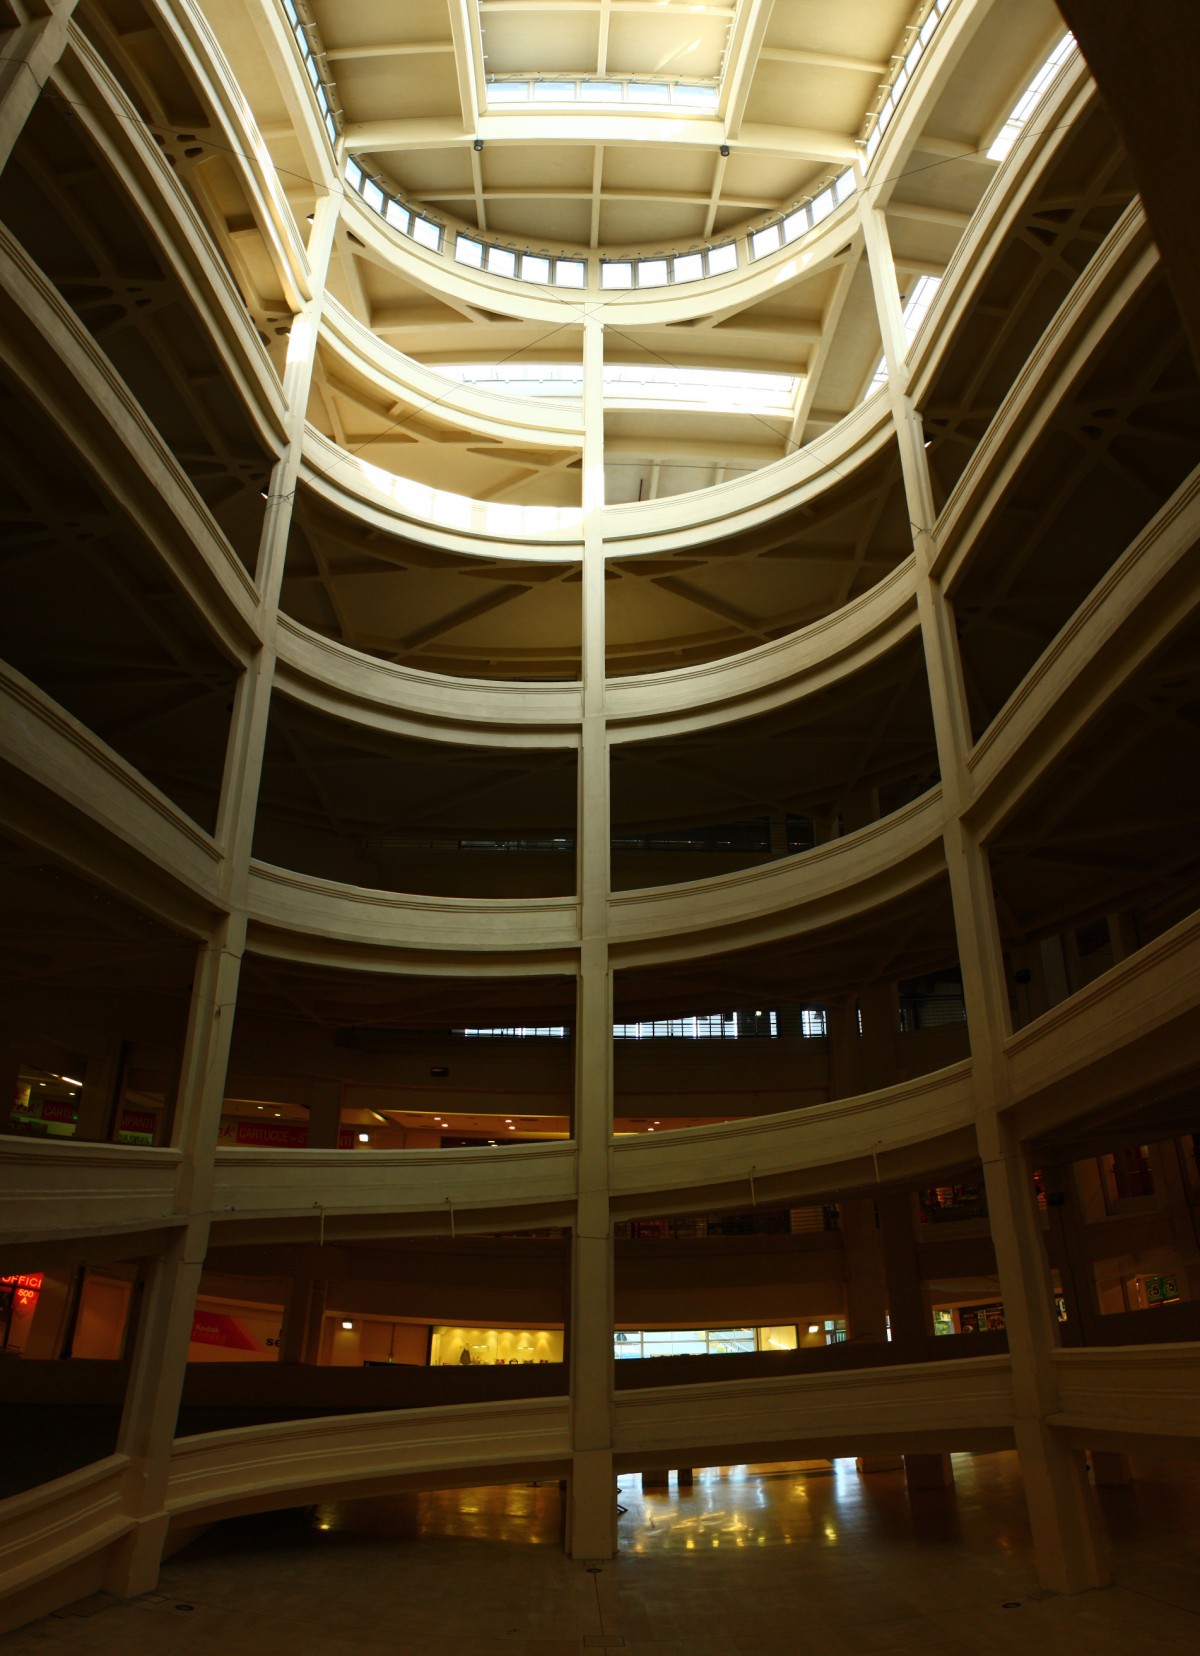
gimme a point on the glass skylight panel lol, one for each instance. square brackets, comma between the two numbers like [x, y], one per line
[616, 273]
[723, 389]
[821, 206]
[765, 241]
[502, 261]
[1029, 100]
[916, 309]
[570, 273]
[426, 234]
[704, 97]
[534, 268]
[923, 294]
[519, 379]
[723, 259]
[652, 273]
[688, 267]
[399, 217]
[468, 252]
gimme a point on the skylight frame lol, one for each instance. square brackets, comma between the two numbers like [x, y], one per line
[691, 95]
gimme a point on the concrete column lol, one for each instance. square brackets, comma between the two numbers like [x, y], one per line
[591, 1502]
[911, 1323]
[1064, 1207]
[879, 1061]
[30, 52]
[866, 1287]
[99, 1097]
[845, 1049]
[324, 1112]
[303, 1321]
[152, 1405]
[929, 1472]
[1170, 1181]
[1110, 1470]
[1062, 1511]
[1067, 1540]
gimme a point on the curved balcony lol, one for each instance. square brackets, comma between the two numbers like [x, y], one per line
[299, 917]
[901, 1132]
[829, 885]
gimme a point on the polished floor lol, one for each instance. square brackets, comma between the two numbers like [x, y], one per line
[752, 1560]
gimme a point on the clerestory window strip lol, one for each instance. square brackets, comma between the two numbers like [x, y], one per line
[301, 34]
[1030, 99]
[882, 117]
[609, 91]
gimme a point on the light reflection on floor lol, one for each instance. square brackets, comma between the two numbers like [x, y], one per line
[815, 1503]
[750, 1559]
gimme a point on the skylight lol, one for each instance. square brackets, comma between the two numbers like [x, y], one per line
[609, 91]
[916, 309]
[1030, 98]
[882, 118]
[661, 385]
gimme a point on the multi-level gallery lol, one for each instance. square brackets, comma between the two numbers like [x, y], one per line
[599, 615]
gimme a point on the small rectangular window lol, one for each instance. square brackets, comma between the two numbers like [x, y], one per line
[570, 273]
[822, 206]
[617, 273]
[652, 273]
[765, 241]
[426, 233]
[502, 261]
[723, 259]
[843, 186]
[353, 174]
[688, 267]
[398, 217]
[372, 195]
[535, 269]
[508, 92]
[601, 91]
[468, 252]
[795, 224]
[647, 92]
[554, 92]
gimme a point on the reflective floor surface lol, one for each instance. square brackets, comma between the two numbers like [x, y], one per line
[752, 1560]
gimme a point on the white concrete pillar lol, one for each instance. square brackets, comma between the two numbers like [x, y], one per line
[1062, 1511]
[28, 55]
[591, 1518]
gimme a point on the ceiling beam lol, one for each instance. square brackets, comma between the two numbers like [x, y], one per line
[468, 62]
[407, 48]
[593, 126]
[647, 8]
[823, 60]
[602, 42]
[583, 192]
[597, 196]
[741, 60]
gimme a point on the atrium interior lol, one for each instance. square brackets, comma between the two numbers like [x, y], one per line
[598, 657]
